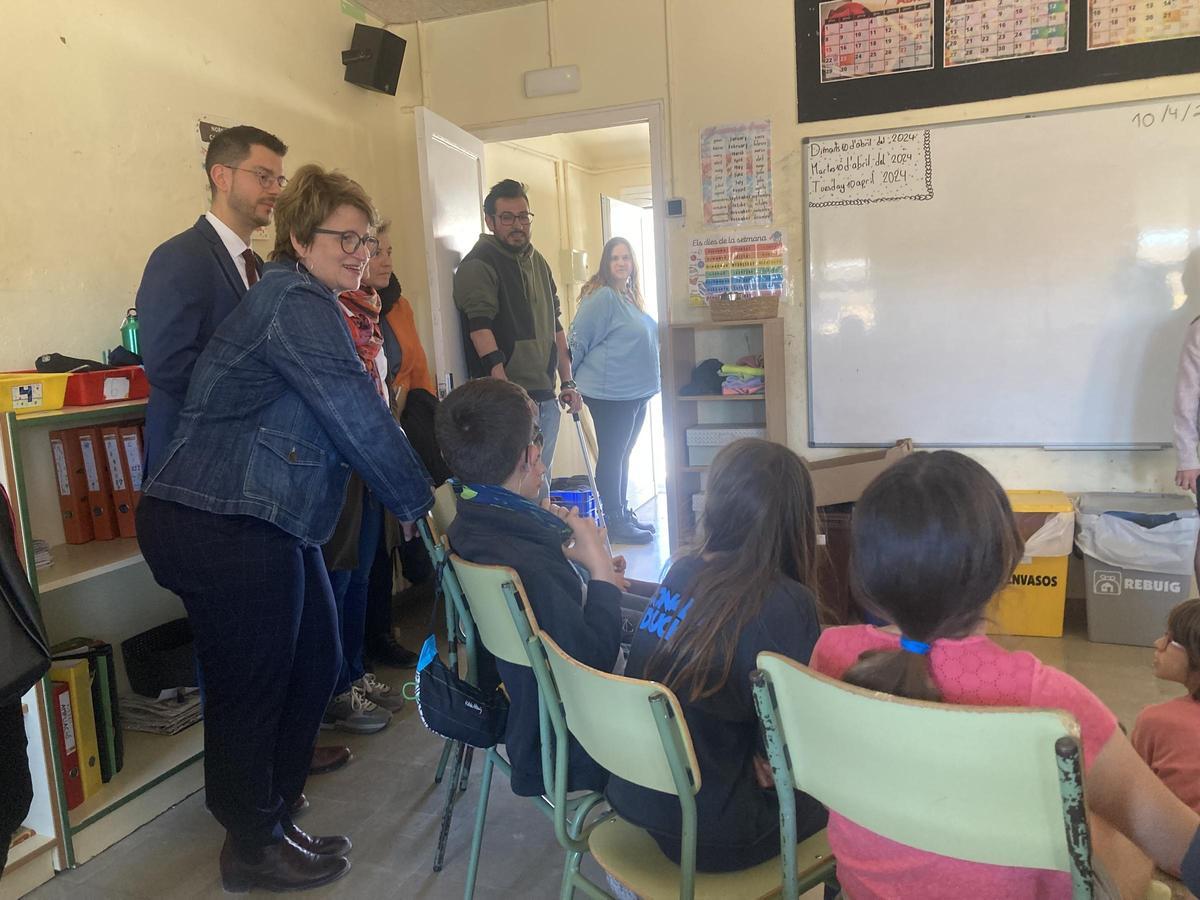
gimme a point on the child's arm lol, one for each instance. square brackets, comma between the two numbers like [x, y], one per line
[1122, 789]
[1187, 410]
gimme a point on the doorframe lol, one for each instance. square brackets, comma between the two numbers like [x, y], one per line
[653, 113]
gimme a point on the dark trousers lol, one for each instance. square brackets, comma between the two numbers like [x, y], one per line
[350, 595]
[618, 424]
[261, 611]
[16, 787]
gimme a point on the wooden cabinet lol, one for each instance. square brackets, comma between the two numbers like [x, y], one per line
[692, 343]
[101, 589]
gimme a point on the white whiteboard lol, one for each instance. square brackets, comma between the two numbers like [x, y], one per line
[1010, 282]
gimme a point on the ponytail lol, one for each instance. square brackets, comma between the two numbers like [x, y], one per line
[897, 672]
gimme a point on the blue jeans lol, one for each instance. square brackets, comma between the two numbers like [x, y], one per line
[350, 595]
[549, 416]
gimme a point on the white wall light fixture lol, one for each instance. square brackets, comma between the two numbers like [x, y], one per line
[549, 82]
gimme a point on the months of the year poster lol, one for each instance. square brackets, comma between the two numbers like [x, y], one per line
[988, 30]
[1114, 23]
[875, 37]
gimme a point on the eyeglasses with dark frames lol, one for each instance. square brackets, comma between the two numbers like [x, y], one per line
[507, 218]
[266, 179]
[352, 240]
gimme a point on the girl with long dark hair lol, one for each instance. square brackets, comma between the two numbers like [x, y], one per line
[932, 540]
[747, 587]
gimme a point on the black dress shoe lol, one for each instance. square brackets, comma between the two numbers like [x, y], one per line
[328, 759]
[282, 866]
[298, 806]
[391, 652]
[330, 845]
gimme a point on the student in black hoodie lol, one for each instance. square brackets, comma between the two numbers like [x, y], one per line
[746, 588]
[489, 435]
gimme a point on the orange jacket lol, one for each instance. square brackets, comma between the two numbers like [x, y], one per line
[414, 365]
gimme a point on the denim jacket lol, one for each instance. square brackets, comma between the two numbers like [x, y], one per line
[278, 411]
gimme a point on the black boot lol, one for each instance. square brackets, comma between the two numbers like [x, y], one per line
[622, 531]
[632, 518]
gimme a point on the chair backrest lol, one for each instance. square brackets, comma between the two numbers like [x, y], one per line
[633, 728]
[445, 508]
[484, 589]
[973, 783]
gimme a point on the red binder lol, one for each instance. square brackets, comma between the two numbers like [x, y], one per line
[131, 457]
[68, 750]
[118, 480]
[72, 488]
[104, 519]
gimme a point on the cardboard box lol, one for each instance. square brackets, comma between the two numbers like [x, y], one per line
[842, 479]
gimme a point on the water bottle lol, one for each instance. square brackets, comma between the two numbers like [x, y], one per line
[129, 332]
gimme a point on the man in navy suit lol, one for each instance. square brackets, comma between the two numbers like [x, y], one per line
[195, 279]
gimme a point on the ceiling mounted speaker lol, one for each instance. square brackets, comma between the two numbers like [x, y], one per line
[374, 59]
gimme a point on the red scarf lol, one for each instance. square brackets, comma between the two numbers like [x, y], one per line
[362, 318]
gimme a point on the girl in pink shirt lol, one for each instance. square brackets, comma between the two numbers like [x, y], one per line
[933, 539]
[1167, 735]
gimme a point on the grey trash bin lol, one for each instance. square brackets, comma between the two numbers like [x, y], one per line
[1137, 562]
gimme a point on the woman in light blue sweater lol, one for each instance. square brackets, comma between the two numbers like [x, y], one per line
[614, 354]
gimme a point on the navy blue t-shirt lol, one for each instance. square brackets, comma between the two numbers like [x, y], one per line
[737, 821]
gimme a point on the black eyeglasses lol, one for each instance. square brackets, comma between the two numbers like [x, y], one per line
[507, 218]
[266, 179]
[351, 240]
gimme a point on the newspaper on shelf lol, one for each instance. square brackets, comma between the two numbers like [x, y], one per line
[169, 713]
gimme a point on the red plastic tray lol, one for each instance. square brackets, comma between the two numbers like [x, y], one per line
[109, 386]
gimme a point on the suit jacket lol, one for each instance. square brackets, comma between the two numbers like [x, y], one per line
[190, 285]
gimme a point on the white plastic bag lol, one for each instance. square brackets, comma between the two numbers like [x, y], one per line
[1168, 548]
[1054, 538]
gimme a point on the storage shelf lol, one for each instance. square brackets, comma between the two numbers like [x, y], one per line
[149, 759]
[762, 396]
[77, 414]
[28, 849]
[78, 562]
[735, 323]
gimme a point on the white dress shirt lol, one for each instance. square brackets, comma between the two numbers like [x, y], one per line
[234, 244]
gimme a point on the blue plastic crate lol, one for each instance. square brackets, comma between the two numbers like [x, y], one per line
[581, 498]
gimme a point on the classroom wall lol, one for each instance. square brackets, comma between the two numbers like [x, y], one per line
[101, 160]
[715, 62]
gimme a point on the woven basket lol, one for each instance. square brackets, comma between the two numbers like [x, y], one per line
[730, 307]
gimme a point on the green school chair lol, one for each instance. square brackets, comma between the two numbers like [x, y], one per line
[1008, 782]
[641, 736]
[500, 615]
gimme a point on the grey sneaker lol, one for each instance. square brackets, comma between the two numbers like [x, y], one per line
[380, 693]
[353, 712]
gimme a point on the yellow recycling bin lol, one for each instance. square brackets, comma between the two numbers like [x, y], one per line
[1033, 602]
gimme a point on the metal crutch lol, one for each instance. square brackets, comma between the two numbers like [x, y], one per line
[587, 464]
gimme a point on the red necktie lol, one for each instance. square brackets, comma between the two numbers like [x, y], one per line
[251, 267]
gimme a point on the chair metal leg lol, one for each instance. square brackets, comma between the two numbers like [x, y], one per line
[448, 810]
[570, 870]
[466, 769]
[447, 749]
[485, 785]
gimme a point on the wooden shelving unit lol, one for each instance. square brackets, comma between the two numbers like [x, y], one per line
[691, 343]
[101, 589]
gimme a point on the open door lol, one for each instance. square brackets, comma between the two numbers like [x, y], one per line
[450, 166]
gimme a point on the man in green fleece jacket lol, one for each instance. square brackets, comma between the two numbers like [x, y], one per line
[508, 304]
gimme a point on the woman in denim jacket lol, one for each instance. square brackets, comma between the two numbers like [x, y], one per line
[278, 411]
[614, 352]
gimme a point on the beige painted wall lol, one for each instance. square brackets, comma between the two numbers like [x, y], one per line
[725, 68]
[101, 160]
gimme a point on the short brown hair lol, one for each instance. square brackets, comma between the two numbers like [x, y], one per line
[1183, 627]
[482, 427]
[231, 146]
[312, 196]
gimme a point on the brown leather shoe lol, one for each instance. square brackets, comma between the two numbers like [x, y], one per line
[329, 845]
[278, 867]
[329, 759]
[299, 806]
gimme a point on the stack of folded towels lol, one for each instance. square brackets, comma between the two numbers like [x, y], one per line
[744, 377]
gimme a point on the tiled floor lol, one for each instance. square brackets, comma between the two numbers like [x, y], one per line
[385, 799]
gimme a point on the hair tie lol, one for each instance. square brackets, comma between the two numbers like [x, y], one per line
[907, 643]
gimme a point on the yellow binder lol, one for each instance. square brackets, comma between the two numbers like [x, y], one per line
[75, 674]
